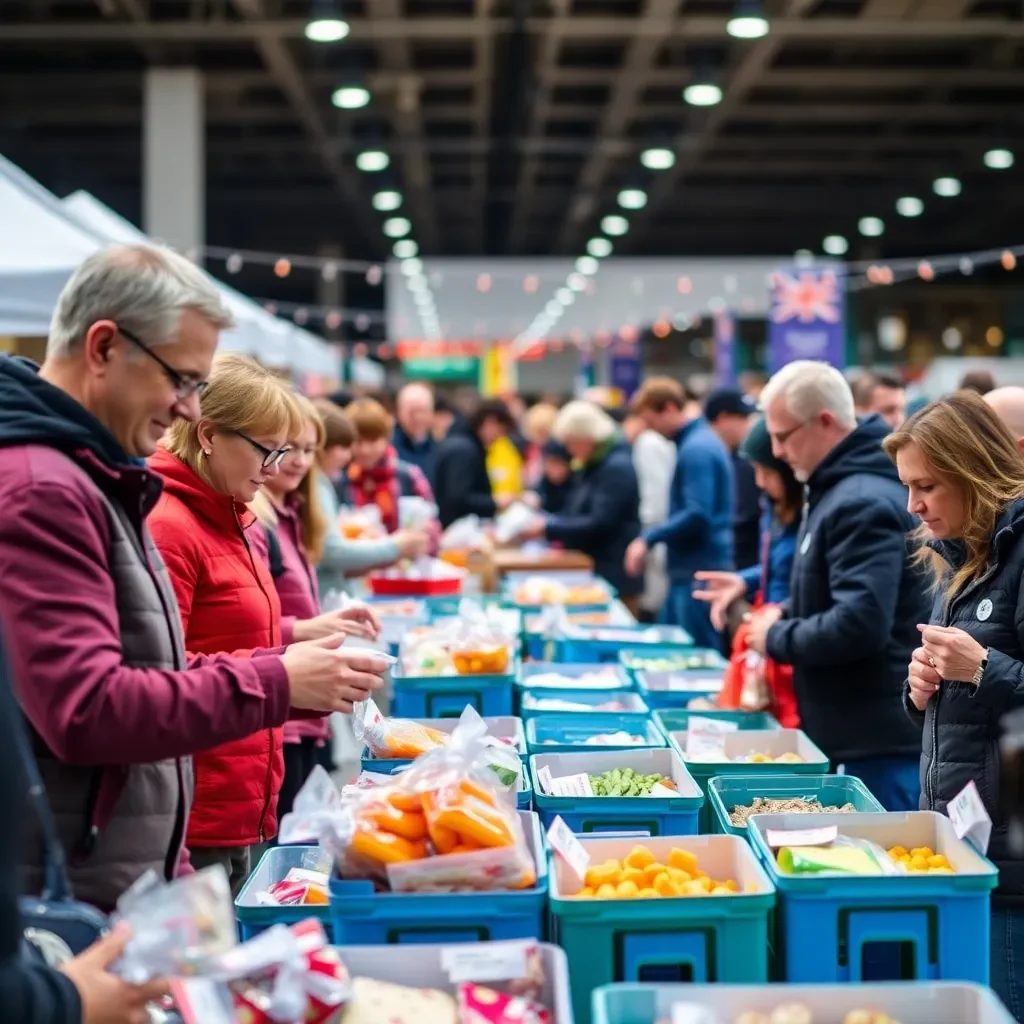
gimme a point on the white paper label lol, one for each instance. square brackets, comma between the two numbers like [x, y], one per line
[492, 961]
[693, 1013]
[705, 737]
[969, 817]
[571, 785]
[544, 778]
[569, 848]
[777, 838]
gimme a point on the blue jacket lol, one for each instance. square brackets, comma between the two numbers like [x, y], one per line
[771, 575]
[855, 600]
[602, 517]
[698, 531]
[420, 454]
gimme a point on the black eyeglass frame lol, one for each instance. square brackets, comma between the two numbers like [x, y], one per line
[184, 387]
[271, 456]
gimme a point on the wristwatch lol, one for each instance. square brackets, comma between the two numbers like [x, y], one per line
[979, 672]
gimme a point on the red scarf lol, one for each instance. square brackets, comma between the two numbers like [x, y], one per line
[377, 486]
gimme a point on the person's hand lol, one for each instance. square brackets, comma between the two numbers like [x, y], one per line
[106, 999]
[361, 615]
[323, 678]
[760, 622]
[636, 555]
[533, 529]
[351, 621]
[532, 499]
[720, 590]
[924, 680]
[954, 654]
[411, 543]
[503, 501]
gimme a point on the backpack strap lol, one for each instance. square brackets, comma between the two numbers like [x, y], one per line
[275, 559]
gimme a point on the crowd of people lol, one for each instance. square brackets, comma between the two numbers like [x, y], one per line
[173, 522]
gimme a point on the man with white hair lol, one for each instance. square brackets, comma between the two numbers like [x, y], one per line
[1008, 404]
[94, 638]
[414, 418]
[856, 596]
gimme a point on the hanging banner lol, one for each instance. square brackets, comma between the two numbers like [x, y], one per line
[440, 360]
[499, 373]
[624, 367]
[806, 318]
[725, 349]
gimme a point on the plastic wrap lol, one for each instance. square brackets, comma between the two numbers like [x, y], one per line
[415, 513]
[466, 533]
[475, 642]
[364, 521]
[513, 521]
[392, 738]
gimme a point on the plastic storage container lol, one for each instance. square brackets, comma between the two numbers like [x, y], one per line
[448, 696]
[605, 643]
[739, 791]
[676, 689]
[672, 661]
[641, 815]
[920, 1003]
[606, 677]
[572, 732]
[830, 925]
[253, 917]
[545, 645]
[424, 967]
[703, 939]
[613, 702]
[360, 916]
[504, 727]
[511, 584]
[670, 720]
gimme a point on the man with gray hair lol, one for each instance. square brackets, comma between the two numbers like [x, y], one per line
[95, 641]
[850, 625]
[1008, 404]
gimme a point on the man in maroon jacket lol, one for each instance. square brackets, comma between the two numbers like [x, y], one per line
[94, 636]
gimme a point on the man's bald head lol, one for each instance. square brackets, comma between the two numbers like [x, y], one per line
[1008, 404]
[414, 409]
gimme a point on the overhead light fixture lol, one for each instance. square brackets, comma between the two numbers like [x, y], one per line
[871, 227]
[835, 245]
[998, 159]
[657, 159]
[745, 24]
[599, 248]
[387, 201]
[412, 266]
[909, 206]
[587, 265]
[702, 94]
[578, 282]
[396, 227]
[613, 224]
[565, 296]
[326, 30]
[371, 160]
[946, 187]
[553, 308]
[632, 198]
[405, 249]
[350, 97]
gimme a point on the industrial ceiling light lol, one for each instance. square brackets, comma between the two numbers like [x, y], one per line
[946, 187]
[350, 97]
[632, 198]
[326, 27]
[371, 160]
[871, 227]
[998, 159]
[657, 159]
[565, 296]
[405, 249]
[587, 265]
[702, 94]
[412, 266]
[599, 248]
[747, 23]
[835, 245]
[387, 200]
[396, 227]
[613, 224]
[909, 206]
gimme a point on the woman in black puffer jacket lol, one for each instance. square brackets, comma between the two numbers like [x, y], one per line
[965, 474]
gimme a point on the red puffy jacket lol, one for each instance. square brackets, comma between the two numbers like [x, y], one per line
[228, 604]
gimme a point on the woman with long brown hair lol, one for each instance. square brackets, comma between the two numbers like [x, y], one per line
[965, 475]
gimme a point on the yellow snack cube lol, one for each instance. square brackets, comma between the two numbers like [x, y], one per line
[678, 875]
[721, 890]
[732, 886]
[694, 888]
[633, 875]
[682, 859]
[639, 857]
[627, 890]
[938, 861]
[585, 891]
[652, 871]
[665, 886]
[601, 874]
[648, 894]
[898, 851]
[606, 892]
[918, 863]
[921, 851]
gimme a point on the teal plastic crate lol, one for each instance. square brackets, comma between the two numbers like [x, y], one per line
[672, 661]
[605, 643]
[448, 696]
[830, 927]
[936, 1002]
[602, 677]
[642, 815]
[534, 702]
[724, 794]
[448, 605]
[676, 689]
[545, 645]
[670, 720]
[510, 584]
[254, 917]
[571, 733]
[743, 742]
[685, 938]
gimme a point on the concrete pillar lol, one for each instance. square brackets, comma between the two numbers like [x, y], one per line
[174, 157]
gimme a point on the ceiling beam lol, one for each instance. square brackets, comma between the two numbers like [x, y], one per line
[482, 95]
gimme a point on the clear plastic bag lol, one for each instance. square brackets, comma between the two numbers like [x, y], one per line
[365, 521]
[754, 693]
[845, 855]
[513, 521]
[415, 513]
[398, 738]
[467, 532]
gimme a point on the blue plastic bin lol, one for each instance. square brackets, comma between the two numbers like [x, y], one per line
[253, 917]
[362, 917]
[670, 720]
[724, 794]
[672, 661]
[713, 939]
[590, 702]
[585, 643]
[569, 733]
[643, 815]
[545, 645]
[510, 584]
[676, 689]
[448, 696]
[524, 791]
[831, 926]
[609, 677]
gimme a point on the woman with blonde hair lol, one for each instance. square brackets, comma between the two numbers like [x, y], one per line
[965, 474]
[211, 469]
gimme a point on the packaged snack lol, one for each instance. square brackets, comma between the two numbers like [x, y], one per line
[360, 522]
[480, 1005]
[474, 642]
[381, 1002]
[396, 738]
[843, 856]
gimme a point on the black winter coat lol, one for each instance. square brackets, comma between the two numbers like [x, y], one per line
[855, 601]
[960, 725]
[461, 484]
[602, 517]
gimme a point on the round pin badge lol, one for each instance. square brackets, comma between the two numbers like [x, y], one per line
[984, 609]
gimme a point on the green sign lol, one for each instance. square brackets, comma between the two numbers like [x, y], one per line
[446, 368]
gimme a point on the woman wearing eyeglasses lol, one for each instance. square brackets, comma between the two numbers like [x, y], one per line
[212, 468]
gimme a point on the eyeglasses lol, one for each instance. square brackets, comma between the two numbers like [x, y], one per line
[784, 435]
[271, 456]
[184, 387]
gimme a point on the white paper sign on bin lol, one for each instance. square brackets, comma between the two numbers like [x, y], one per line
[969, 817]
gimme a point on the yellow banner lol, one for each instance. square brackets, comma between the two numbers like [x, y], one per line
[498, 371]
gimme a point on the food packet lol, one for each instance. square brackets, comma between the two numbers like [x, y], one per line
[845, 855]
[480, 642]
[306, 885]
[364, 521]
[397, 738]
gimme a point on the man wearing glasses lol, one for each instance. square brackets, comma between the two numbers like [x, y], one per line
[850, 625]
[92, 624]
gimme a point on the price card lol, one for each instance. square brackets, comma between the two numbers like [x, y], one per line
[705, 737]
[544, 778]
[569, 848]
[969, 817]
[571, 785]
[777, 838]
[490, 961]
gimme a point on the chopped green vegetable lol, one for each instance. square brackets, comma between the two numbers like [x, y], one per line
[624, 782]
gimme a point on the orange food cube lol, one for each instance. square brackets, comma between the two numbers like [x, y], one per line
[694, 888]
[678, 875]
[732, 886]
[405, 801]
[639, 857]
[627, 890]
[665, 886]
[633, 875]
[648, 894]
[408, 824]
[679, 858]
[585, 891]
[721, 890]
[652, 871]
[602, 874]
[315, 896]
[606, 892]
